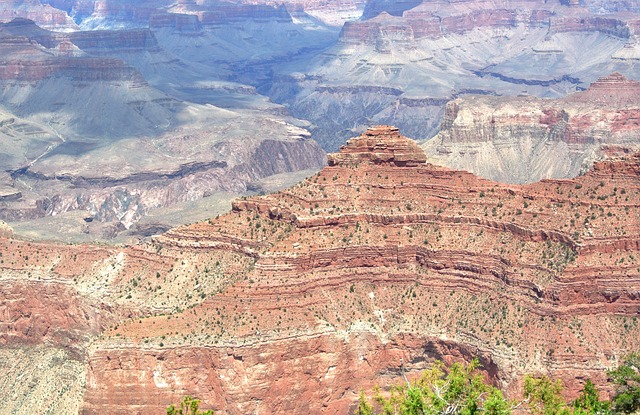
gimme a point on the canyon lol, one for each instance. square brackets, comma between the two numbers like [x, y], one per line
[403, 61]
[295, 301]
[62, 156]
[174, 77]
[208, 245]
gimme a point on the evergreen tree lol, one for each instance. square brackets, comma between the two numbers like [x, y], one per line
[627, 380]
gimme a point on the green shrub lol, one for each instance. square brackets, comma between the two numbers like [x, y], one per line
[627, 380]
[188, 406]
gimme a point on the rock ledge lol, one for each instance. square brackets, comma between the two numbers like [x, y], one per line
[379, 145]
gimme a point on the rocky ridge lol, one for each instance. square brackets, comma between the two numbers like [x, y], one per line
[31, 54]
[524, 139]
[399, 64]
[379, 145]
[295, 301]
[46, 15]
[436, 19]
[187, 15]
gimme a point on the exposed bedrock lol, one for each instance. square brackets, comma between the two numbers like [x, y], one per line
[372, 243]
[43, 14]
[339, 112]
[525, 139]
[319, 373]
[422, 54]
[126, 198]
[297, 300]
[73, 115]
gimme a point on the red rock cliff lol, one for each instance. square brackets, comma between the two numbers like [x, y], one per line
[295, 301]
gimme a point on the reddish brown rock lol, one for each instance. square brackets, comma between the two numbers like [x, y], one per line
[379, 145]
[295, 301]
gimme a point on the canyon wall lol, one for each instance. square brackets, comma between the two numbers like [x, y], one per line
[312, 65]
[64, 153]
[379, 264]
[429, 53]
[525, 139]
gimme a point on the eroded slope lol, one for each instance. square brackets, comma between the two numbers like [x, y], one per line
[295, 301]
[83, 130]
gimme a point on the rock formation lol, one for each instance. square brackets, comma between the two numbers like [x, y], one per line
[379, 145]
[397, 64]
[43, 14]
[421, 54]
[172, 73]
[77, 105]
[119, 14]
[524, 139]
[296, 300]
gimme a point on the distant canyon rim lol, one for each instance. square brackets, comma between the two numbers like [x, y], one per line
[220, 198]
[223, 98]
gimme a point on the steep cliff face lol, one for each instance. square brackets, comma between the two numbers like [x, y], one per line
[525, 139]
[294, 301]
[333, 13]
[420, 19]
[114, 190]
[31, 54]
[398, 64]
[127, 14]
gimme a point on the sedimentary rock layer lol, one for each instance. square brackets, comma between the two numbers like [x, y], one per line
[380, 263]
[421, 54]
[524, 139]
[74, 113]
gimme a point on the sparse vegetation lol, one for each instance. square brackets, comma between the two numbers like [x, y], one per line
[188, 406]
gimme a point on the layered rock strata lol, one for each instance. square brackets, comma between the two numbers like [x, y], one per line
[426, 53]
[187, 15]
[435, 19]
[295, 301]
[379, 145]
[524, 139]
[74, 111]
[45, 15]
[26, 58]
